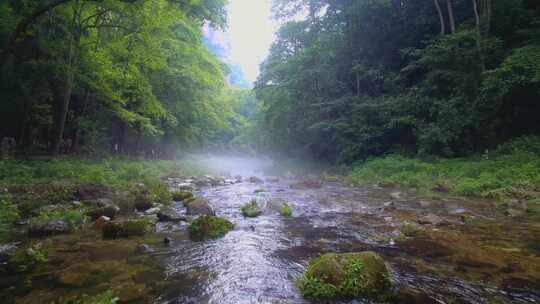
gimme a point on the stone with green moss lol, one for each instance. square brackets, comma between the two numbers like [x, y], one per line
[285, 210]
[209, 227]
[251, 209]
[346, 275]
[125, 228]
[182, 195]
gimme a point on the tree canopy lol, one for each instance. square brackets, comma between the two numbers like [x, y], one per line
[348, 79]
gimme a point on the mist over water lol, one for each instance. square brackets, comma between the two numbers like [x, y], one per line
[260, 260]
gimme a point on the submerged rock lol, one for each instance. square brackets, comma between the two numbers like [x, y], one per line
[199, 206]
[346, 275]
[48, 228]
[209, 227]
[124, 229]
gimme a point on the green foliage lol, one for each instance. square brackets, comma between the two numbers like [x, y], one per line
[286, 210]
[251, 209]
[75, 218]
[126, 229]
[182, 195]
[8, 215]
[349, 275]
[355, 79]
[209, 227]
[139, 75]
[113, 172]
[523, 144]
[500, 177]
[27, 258]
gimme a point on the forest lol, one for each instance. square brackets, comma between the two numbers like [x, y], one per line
[386, 151]
[114, 76]
[355, 79]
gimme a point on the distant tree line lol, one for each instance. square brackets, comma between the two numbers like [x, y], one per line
[349, 79]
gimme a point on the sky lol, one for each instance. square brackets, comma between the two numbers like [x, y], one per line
[245, 43]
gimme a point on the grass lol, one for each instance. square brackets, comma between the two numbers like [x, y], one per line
[75, 218]
[515, 175]
[113, 172]
[8, 214]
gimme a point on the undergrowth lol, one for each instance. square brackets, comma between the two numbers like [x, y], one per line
[514, 175]
[113, 172]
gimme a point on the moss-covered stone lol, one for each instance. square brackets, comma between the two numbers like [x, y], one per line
[347, 275]
[285, 210]
[182, 195]
[199, 206]
[251, 209]
[127, 228]
[209, 227]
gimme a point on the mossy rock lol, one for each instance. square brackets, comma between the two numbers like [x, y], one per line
[285, 210]
[182, 195]
[209, 227]
[199, 206]
[251, 209]
[345, 276]
[124, 229]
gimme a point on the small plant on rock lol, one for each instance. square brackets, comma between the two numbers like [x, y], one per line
[285, 210]
[251, 209]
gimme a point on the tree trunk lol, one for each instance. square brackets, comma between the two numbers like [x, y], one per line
[451, 15]
[68, 87]
[441, 17]
[478, 35]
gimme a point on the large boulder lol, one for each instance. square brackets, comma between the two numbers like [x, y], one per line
[199, 206]
[125, 228]
[209, 227]
[48, 228]
[346, 275]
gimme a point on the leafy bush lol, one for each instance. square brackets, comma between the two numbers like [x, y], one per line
[523, 144]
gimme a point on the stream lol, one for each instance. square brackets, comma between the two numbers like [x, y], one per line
[461, 251]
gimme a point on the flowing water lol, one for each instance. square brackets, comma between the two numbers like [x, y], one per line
[476, 256]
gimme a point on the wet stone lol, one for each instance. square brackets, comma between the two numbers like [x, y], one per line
[48, 228]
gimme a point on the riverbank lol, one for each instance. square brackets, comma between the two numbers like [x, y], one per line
[514, 176]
